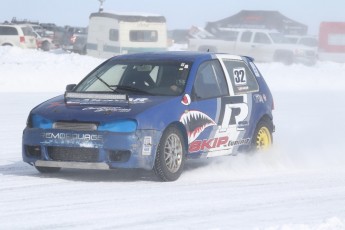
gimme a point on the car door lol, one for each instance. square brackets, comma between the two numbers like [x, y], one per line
[262, 47]
[212, 112]
[244, 45]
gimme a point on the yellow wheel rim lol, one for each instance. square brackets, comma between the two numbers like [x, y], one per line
[263, 139]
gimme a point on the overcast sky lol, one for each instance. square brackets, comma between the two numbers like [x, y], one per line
[180, 14]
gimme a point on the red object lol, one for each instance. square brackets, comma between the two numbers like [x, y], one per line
[332, 37]
[22, 39]
[73, 38]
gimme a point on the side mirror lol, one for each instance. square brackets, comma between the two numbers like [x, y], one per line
[70, 87]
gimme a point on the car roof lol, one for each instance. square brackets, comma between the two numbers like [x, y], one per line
[248, 29]
[13, 25]
[168, 56]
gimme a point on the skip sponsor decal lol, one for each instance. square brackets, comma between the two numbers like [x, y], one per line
[215, 144]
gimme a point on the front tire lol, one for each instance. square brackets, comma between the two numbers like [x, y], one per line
[263, 138]
[170, 156]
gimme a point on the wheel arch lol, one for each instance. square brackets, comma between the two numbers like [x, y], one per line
[181, 128]
[267, 118]
[163, 161]
[6, 44]
[263, 117]
[183, 131]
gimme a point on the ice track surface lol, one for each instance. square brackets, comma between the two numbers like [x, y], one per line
[298, 184]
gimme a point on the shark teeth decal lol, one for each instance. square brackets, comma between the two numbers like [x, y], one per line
[196, 122]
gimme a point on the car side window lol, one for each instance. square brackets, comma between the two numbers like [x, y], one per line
[261, 38]
[246, 36]
[7, 30]
[242, 78]
[210, 81]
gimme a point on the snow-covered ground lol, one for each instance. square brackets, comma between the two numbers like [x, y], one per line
[299, 184]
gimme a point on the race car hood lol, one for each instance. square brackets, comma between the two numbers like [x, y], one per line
[80, 110]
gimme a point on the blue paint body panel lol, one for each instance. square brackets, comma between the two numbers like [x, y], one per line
[125, 133]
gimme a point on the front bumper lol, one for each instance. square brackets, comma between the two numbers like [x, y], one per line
[89, 149]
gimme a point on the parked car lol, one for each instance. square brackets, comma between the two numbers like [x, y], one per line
[17, 35]
[79, 45]
[71, 35]
[44, 43]
[178, 36]
[310, 41]
[153, 111]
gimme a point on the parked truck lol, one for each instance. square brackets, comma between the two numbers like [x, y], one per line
[262, 44]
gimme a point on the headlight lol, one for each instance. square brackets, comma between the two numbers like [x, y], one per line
[38, 121]
[122, 126]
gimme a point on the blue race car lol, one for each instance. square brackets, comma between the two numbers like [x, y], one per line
[152, 111]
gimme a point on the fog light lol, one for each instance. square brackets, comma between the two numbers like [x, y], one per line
[33, 151]
[119, 155]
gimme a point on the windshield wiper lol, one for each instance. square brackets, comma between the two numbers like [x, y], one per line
[129, 88]
[107, 85]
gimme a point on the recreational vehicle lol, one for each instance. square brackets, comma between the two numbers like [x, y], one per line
[113, 33]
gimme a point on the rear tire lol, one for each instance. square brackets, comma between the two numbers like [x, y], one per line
[45, 46]
[47, 169]
[170, 156]
[262, 137]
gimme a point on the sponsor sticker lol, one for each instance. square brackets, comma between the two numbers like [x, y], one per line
[215, 143]
[256, 72]
[108, 109]
[147, 146]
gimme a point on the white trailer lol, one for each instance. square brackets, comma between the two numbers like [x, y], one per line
[111, 34]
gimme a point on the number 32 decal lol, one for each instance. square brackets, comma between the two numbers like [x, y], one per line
[240, 77]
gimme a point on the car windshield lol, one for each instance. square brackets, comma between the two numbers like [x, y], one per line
[137, 77]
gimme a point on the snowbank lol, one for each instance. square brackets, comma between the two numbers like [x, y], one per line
[35, 71]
